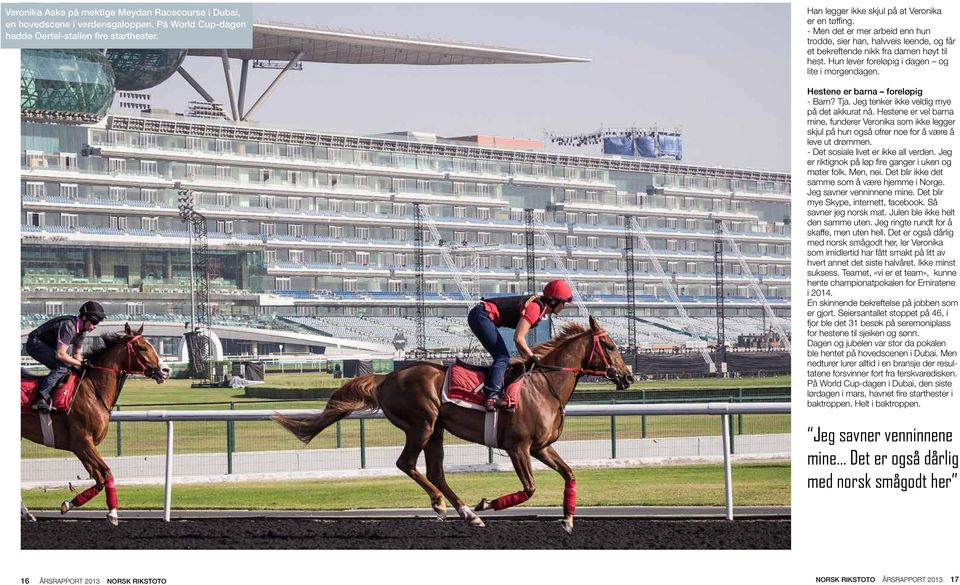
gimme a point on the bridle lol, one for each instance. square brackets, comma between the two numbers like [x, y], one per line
[596, 348]
[132, 354]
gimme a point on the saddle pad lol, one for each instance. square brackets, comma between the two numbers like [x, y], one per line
[464, 387]
[62, 395]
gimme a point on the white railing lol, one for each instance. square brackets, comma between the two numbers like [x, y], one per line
[722, 409]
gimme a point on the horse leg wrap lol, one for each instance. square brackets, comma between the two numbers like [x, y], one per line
[509, 500]
[111, 494]
[85, 496]
[569, 498]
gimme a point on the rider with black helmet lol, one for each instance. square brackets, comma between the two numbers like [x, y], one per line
[58, 344]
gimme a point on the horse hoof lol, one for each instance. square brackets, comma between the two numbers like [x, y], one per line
[469, 517]
[567, 526]
[26, 514]
[441, 512]
[482, 505]
[113, 518]
[65, 507]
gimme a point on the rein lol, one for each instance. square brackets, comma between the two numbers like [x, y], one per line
[550, 386]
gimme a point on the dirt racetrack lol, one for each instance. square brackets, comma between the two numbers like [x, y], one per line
[405, 533]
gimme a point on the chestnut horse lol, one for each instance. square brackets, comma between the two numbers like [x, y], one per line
[410, 399]
[83, 428]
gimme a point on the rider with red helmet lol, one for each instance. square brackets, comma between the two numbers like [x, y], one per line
[58, 344]
[517, 312]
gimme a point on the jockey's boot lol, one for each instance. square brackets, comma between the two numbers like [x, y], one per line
[490, 401]
[43, 404]
[490, 396]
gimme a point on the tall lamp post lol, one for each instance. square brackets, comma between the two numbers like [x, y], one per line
[185, 206]
[196, 223]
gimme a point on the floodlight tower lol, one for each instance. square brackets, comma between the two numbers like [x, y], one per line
[629, 265]
[530, 242]
[718, 281]
[197, 341]
[418, 257]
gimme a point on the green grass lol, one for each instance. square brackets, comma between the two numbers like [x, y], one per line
[141, 391]
[172, 392]
[702, 383]
[143, 438]
[676, 485]
[146, 438]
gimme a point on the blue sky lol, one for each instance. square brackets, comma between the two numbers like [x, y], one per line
[718, 72]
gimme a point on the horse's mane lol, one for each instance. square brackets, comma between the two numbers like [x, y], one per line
[108, 341]
[569, 330]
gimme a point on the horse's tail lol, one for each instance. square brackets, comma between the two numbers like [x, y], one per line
[357, 394]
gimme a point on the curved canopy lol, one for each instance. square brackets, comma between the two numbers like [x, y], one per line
[281, 41]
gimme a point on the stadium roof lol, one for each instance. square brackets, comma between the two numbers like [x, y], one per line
[273, 41]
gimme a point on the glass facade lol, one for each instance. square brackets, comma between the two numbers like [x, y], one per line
[64, 81]
[303, 224]
[137, 69]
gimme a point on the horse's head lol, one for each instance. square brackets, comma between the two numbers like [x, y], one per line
[604, 356]
[142, 354]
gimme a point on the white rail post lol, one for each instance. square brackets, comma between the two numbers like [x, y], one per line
[723, 410]
[168, 473]
[727, 474]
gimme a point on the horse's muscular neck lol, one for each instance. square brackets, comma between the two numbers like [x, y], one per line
[104, 382]
[570, 353]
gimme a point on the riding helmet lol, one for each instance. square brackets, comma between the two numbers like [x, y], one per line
[93, 311]
[558, 289]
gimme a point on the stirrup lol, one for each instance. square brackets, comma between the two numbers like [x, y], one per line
[43, 407]
[490, 404]
[504, 405]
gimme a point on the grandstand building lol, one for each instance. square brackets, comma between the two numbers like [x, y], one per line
[313, 232]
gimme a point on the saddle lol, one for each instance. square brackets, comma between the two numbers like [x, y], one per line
[463, 385]
[62, 395]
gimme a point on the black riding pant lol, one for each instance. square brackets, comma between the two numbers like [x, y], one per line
[41, 352]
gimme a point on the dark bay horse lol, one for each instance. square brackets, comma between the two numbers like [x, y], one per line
[410, 399]
[83, 428]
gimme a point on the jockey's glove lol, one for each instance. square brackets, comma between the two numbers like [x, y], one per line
[534, 361]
